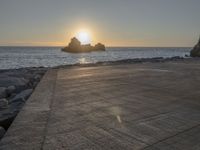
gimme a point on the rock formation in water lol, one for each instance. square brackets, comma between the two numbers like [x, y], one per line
[76, 47]
[196, 50]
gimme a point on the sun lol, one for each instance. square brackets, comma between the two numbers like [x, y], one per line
[84, 37]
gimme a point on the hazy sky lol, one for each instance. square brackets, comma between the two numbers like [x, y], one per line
[113, 22]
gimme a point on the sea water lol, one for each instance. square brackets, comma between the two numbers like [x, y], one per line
[19, 57]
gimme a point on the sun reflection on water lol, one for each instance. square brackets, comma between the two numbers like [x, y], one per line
[83, 61]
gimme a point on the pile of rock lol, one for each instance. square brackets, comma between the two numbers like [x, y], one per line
[76, 47]
[196, 50]
[15, 88]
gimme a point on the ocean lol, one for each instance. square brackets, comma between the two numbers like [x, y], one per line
[20, 57]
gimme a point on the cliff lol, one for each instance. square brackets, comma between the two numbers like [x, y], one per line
[196, 50]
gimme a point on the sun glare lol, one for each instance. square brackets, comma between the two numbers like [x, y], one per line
[84, 37]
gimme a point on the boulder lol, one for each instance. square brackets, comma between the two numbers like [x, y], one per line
[10, 90]
[19, 83]
[3, 93]
[7, 115]
[3, 103]
[196, 50]
[37, 77]
[2, 132]
[22, 96]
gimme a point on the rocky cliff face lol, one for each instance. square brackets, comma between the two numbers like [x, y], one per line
[196, 50]
[76, 47]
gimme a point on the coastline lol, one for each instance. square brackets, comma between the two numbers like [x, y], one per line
[16, 85]
[75, 102]
[135, 60]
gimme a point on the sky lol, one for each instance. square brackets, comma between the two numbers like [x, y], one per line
[148, 23]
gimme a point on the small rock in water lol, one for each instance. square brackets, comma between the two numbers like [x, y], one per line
[2, 132]
[3, 92]
[3, 103]
[22, 96]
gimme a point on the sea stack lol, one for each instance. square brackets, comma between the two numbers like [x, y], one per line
[75, 47]
[196, 50]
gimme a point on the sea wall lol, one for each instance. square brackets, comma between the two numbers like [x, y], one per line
[16, 85]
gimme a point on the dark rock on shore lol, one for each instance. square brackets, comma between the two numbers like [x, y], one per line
[76, 47]
[2, 92]
[22, 96]
[15, 81]
[196, 50]
[16, 85]
[2, 132]
[11, 89]
[3, 103]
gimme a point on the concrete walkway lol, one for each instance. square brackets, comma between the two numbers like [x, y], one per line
[151, 106]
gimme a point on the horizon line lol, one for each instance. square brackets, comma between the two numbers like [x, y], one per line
[106, 46]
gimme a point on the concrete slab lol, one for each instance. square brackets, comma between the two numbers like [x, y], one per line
[129, 106]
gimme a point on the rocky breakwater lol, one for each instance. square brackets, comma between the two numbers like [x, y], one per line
[196, 50]
[76, 47]
[15, 88]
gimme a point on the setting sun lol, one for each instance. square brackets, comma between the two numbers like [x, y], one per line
[84, 37]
